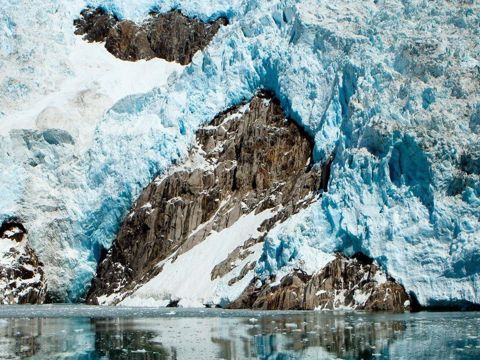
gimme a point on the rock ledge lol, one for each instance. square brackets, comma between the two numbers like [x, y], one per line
[171, 36]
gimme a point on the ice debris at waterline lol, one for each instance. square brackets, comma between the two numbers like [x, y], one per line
[58, 332]
[391, 88]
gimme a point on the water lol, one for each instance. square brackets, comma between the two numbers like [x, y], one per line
[81, 332]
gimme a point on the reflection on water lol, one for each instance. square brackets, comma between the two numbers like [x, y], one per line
[193, 334]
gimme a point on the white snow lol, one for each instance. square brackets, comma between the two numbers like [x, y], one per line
[188, 277]
[79, 102]
[5, 246]
[360, 297]
[380, 277]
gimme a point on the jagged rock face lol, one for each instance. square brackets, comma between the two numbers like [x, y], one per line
[354, 283]
[248, 159]
[21, 275]
[94, 24]
[171, 36]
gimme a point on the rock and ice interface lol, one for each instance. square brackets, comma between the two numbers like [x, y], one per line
[389, 89]
[344, 283]
[194, 234]
[171, 36]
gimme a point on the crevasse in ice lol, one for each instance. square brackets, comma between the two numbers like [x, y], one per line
[389, 89]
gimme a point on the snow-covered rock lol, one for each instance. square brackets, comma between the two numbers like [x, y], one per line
[390, 88]
[171, 36]
[344, 283]
[194, 234]
[22, 279]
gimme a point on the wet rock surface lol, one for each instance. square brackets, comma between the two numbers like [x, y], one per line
[346, 282]
[22, 279]
[248, 159]
[171, 36]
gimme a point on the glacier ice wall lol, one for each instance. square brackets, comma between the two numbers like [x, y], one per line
[389, 89]
[400, 121]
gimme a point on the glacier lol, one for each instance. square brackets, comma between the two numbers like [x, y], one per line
[390, 90]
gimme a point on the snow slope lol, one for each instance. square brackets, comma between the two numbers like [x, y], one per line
[389, 88]
[188, 277]
[56, 88]
[78, 102]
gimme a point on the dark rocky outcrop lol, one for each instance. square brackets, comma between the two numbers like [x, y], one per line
[171, 36]
[355, 283]
[248, 159]
[94, 24]
[21, 273]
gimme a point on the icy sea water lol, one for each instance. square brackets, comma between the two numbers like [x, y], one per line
[81, 332]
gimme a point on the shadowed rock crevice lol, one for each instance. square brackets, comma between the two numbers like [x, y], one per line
[13, 229]
[171, 36]
[346, 282]
[249, 159]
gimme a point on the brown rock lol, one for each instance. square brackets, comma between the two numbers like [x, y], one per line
[227, 265]
[251, 158]
[355, 283]
[245, 270]
[171, 36]
[128, 41]
[94, 24]
[21, 273]
[289, 295]
[175, 37]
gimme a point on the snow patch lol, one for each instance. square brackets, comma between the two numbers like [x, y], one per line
[188, 277]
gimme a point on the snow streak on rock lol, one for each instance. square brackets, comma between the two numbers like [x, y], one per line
[197, 230]
[22, 279]
[354, 283]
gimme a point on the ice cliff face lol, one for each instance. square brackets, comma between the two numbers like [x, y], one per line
[390, 89]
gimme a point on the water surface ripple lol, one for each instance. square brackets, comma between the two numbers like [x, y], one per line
[89, 332]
